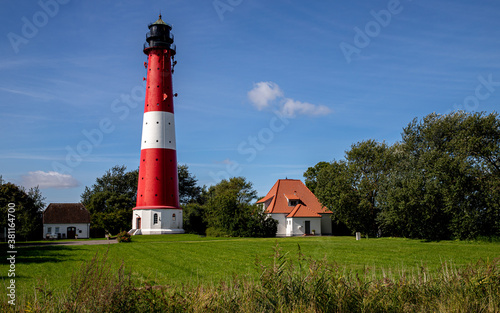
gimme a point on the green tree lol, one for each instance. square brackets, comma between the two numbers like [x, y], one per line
[350, 188]
[111, 199]
[194, 218]
[189, 191]
[446, 178]
[229, 211]
[29, 206]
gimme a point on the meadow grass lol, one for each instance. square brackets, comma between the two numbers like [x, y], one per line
[178, 260]
[193, 260]
[284, 279]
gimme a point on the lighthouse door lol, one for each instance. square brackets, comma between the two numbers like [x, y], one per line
[138, 223]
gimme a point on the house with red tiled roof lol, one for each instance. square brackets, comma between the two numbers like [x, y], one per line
[296, 209]
[66, 221]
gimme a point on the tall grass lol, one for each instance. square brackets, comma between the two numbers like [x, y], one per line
[286, 284]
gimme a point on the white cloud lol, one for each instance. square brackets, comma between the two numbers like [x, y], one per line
[263, 94]
[49, 180]
[292, 107]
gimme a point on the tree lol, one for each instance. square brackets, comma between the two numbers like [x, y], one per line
[311, 175]
[111, 199]
[29, 206]
[194, 218]
[188, 190]
[446, 178]
[350, 188]
[229, 211]
[441, 181]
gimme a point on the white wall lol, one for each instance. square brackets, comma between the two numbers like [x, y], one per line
[82, 230]
[166, 222]
[298, 226]
[281, 218]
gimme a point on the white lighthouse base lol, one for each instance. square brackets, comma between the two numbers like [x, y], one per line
[157, 221]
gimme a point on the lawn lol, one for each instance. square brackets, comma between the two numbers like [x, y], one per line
[191, 259]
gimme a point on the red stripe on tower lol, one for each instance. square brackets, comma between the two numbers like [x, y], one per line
[157, 210]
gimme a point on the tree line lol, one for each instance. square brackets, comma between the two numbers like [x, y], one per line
[225, 209]
[441, 181]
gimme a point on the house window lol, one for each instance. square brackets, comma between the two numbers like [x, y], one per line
[293, 202]
[155, 218]
[49, 230]
[57, 230]
[173, 217]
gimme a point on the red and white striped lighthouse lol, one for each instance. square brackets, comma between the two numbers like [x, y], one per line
[157, 210]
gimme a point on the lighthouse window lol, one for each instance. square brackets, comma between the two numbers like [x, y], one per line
[173, 217]
[155, 218]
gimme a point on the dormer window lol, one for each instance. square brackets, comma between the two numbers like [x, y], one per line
[292, 199]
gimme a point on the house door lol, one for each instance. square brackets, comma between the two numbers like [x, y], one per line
[71, 232]
[308, 227]
[138, 223]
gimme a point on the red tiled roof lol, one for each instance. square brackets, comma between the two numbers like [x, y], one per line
[292, 197]
[265, 198]
[298, 191]
[302, 211]
[66, 213]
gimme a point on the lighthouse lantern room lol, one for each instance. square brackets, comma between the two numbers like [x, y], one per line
[157, 210]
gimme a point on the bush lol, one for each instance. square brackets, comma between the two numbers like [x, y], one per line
[124, 237]
[216, 232]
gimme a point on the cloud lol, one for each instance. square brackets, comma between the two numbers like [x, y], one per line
[292, 107]
[49, 180]
[264, 94]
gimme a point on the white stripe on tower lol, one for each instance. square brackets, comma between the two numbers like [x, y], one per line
[158, 130]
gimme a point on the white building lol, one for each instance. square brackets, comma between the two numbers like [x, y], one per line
[158, 221]
[66, 221]
[296, 209]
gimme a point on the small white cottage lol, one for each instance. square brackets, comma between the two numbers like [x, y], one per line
[66, 221]
[296, 209]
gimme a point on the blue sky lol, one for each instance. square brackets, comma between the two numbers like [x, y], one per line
[266, 88]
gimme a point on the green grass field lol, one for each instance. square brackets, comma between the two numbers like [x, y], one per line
[191, 259]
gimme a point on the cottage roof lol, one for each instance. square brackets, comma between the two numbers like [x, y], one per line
[293, 189]
[66, 213]
[302, 211]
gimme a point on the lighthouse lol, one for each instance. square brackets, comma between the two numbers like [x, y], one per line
[157, 209]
